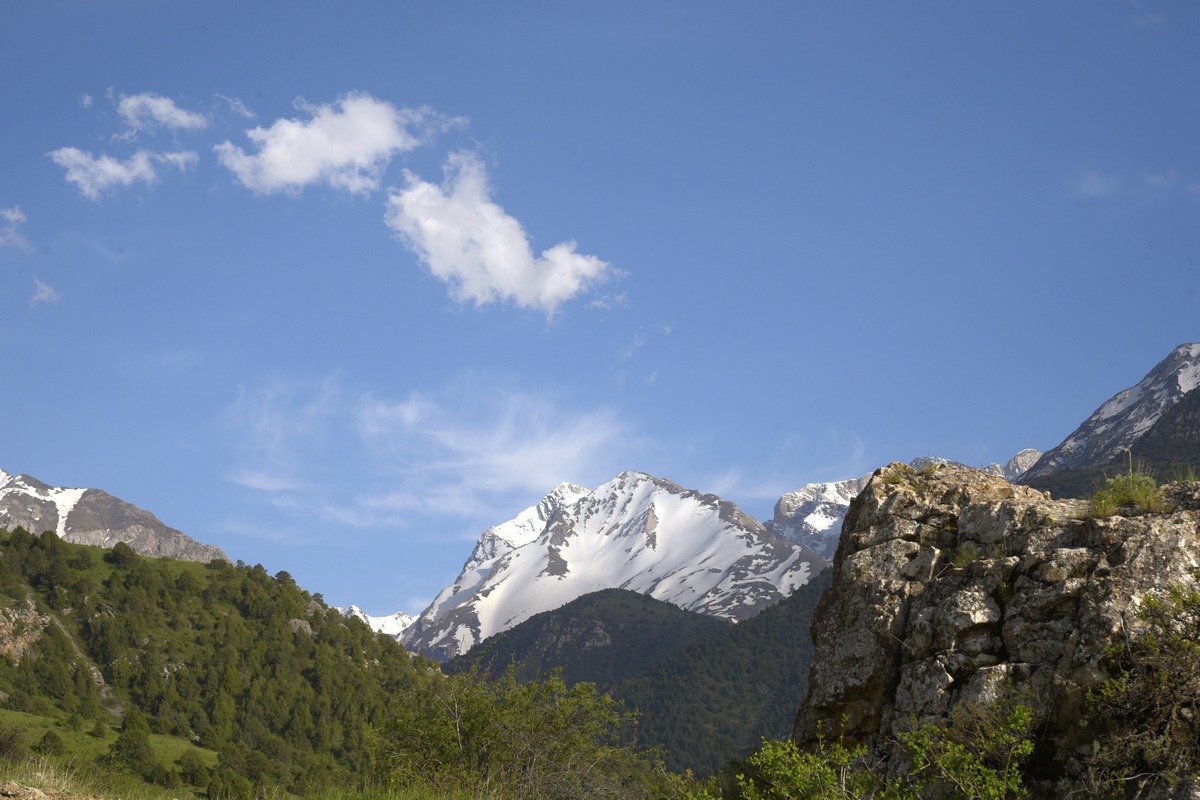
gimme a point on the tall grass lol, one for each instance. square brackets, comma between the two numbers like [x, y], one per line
[1136, 488]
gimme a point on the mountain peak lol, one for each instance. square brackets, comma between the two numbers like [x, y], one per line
[1118, 424]
[92, 517]
[636, 532]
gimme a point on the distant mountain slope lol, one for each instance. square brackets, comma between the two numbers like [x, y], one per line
[1124, 419]
[636, 532]
[390, 624]
[707, 690]
[714, 701]
[1169, 449]
[603, 637]
[93, 517]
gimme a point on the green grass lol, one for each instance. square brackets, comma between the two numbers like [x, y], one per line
[1134, 489]
[77, 765]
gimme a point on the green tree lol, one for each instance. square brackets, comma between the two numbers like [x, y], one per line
[132, 748]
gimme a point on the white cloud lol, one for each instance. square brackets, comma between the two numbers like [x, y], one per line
[43, 294]
[471, 243]
[346, 145]
[85, 101]
[609, 301]
[10, 233]
[92, 174]
[146, 110]
[470, 451]
[473, 440]
[237, 106]
[1093, 185]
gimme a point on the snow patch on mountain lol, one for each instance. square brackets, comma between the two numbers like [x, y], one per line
[1117, 424]
[812, 515]
[92, 517]
[51, 506]
[392, 625]
[635, 532]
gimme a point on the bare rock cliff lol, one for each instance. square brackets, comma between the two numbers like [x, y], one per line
[951, 585]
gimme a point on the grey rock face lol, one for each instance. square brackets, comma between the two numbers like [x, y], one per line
[1125, 417]
[93, 517]
[952, 585]
[812, 516]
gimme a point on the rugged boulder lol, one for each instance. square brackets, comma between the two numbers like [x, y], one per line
[951, 585]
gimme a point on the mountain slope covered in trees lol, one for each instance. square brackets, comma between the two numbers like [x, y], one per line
[705, 693]
[290, 694]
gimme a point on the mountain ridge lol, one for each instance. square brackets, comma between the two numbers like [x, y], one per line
[636, 531]
[93, 517]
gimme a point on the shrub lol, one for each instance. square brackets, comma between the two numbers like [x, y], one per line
[13, 740]
[50, 745]
[975, 755]
[1147, 729]
[192, 768]
[1135, 489]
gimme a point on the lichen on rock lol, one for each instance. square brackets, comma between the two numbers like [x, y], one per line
[953, 586]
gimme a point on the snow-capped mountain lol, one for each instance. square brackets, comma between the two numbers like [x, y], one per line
[94, 517]
[635, 532]
[1016, 467]
[393, 625]
[1125, 417]
[812, 515]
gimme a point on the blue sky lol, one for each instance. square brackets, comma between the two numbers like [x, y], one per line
[337, 285]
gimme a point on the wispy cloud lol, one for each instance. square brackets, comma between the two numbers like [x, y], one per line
[93, 175]
[10, 231]
[85, 101]
[237, 106]
[43, 294]
[1160, 184]
[464, 451]
[609, 301]
[1094, 185]
[472, 244]
[346, 145]
[1151, 21]
[148, 110]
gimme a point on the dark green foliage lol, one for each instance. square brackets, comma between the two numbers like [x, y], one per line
[1146, 718]
[715, 700]
[203, 651]
[706, 691]
[121, 556]
[13, 742]
[294, 697]
[604, 638]
[506, 738]
[132, 749]
[51, 744]
[192, 769]
[975, 755]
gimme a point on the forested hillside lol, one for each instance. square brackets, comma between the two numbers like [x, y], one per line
[290, 694]
[706, 692]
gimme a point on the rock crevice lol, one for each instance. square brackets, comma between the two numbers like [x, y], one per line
[952, 586]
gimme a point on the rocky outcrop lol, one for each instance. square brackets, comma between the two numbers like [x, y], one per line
[20, 629]
[951, 585]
